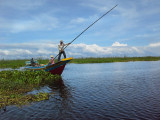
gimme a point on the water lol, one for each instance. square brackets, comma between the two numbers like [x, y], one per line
[4, 69]
[127, 90]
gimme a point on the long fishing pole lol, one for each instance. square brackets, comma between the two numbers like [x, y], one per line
[88, 27]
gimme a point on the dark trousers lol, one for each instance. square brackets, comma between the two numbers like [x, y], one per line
[64, 54]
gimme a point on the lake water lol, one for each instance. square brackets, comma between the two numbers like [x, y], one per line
[122, 90]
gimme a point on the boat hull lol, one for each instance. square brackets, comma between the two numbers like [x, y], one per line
[56, 68]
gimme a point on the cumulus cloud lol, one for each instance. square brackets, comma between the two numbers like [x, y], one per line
[4, 52]
[14, 53]
[155, 44]
[118, 44]
[28, 50]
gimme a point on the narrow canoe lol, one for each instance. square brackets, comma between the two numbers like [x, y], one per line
[56, 68]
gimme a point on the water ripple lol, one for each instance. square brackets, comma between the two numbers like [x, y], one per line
[98, 91]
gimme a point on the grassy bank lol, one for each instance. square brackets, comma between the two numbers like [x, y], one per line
[15, 84]
[20, 63]
[113, 59]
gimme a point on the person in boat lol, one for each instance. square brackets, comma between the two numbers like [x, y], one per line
[33, 62]
[61, 49]
[51, 61]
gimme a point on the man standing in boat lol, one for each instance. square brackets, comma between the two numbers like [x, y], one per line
[61, 49]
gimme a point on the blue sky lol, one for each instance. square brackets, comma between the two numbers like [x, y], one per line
[33, 28]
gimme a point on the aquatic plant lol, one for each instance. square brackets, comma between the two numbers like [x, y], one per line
[19, 63]
[14, 84]
[11, 63]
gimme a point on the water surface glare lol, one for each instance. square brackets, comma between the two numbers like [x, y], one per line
[122, 90]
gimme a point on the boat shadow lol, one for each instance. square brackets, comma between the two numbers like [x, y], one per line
[62, 91]
[63, 96]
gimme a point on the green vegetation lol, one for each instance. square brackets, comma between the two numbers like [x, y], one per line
[15, 84]
[18, 63]
[21, 63]
[113, 59]
[11, 63]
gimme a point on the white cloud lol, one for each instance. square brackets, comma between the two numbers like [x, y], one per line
[78, 20]
[155, 44]
[14, 52]
[129, 16]
[4, 52]
[38, 23]
[96, 5]
[44, 51]
[118, 44]
[28, 50]
[22, 5]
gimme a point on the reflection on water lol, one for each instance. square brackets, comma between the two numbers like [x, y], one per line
[21, 68]
[59, 98]
[98, 91]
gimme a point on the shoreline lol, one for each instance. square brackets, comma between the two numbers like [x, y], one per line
[14, 64]
[113, 59]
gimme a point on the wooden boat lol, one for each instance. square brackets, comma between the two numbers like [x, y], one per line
[56, 68]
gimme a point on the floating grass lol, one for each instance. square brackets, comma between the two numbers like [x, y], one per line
[14, 84]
